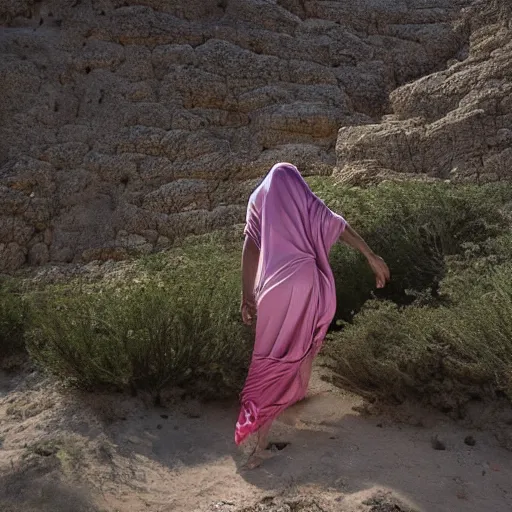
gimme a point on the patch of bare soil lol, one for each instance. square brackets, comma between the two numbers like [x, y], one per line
[62, 451]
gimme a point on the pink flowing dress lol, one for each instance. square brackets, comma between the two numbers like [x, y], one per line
[294, 291]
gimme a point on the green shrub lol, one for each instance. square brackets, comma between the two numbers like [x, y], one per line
[442, 329]
[13, 318]
[174, 324]
[445, 356]
[414, 227]
[468, 272]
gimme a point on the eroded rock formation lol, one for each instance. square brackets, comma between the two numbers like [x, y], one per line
[453, 124]
[126, 124]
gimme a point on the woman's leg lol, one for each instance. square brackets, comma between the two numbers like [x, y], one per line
[260, 453]
[263, 436]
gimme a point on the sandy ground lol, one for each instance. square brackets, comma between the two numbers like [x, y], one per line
[63, 451]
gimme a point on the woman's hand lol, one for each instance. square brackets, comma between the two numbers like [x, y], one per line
[248, 310]
[380, 269]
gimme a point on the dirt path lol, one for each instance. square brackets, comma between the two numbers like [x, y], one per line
[65, 452]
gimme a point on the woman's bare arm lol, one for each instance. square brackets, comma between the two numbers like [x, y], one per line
[377, 264]
[353, 239]
[250, 260]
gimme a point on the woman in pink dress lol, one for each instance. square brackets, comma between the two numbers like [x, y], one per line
[288, 286]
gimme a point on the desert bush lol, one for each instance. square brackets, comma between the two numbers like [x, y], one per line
[174, 324]
[13, 318]
[414, 227]
[442, 330]
[445, 355]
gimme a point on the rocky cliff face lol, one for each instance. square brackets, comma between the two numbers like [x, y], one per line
[126, 124]
[453, 124]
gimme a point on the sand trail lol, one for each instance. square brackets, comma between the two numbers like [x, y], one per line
[61, 451]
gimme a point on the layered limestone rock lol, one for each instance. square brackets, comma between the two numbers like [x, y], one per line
[453, 124]
[126, 124]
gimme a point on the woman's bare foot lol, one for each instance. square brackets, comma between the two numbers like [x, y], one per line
[260, 452]
[253, 462]
[257, 459]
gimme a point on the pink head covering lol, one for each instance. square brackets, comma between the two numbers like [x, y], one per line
[288, 222]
